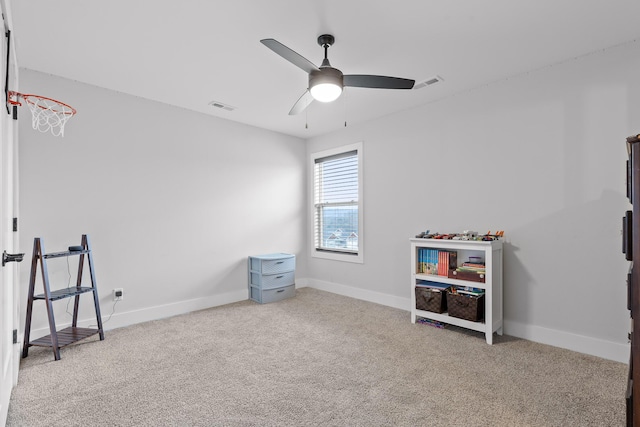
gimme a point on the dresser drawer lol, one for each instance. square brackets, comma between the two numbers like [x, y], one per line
[273, 263]
[273, 295]
[269, 281]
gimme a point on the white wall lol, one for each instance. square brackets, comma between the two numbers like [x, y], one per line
[541, 156]
[173, 201]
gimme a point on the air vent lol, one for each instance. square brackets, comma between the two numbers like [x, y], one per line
[428, 82]
[222, 106]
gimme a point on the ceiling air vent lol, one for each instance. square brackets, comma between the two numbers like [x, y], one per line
[428, 82]
[222, 106]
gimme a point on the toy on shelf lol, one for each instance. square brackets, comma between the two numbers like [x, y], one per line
[465, 235]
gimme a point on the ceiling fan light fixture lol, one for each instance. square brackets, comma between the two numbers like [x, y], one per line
[326, 84]
[326, 92]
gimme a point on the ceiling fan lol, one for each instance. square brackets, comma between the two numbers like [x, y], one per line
[325, 82]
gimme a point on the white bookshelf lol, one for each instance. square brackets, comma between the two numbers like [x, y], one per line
[491, 252]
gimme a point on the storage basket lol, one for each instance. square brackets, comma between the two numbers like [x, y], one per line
[431, 299]
[468, 307]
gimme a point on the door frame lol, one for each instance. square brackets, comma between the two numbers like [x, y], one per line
[9, 238]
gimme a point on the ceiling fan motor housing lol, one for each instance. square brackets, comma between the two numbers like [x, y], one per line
[326, 75]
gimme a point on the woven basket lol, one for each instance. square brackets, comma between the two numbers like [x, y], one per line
[467, 307]
[431, 300]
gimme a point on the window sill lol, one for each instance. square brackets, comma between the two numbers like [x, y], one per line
[336, 256]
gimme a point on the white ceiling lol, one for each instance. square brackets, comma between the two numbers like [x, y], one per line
[191, 52]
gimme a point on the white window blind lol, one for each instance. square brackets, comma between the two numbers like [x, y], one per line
[336, 203]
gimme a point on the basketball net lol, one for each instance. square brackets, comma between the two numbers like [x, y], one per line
[46, 114]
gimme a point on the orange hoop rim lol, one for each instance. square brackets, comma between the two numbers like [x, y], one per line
[26, 97]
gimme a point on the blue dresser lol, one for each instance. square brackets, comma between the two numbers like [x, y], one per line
[272, 277]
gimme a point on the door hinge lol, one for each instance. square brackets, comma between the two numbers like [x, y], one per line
[15, 336]
[15, 224]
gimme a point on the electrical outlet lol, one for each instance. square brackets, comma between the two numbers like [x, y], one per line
[118, 294]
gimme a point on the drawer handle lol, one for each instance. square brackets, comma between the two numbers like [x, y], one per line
[280, 262]
[279, 290]
[279, 277]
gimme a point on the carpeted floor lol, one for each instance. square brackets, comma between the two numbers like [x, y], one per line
[318, 359]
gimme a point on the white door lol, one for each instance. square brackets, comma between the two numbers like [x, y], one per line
[6, 303]
[9, 305]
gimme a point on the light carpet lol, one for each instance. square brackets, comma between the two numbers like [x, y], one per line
[317, 359]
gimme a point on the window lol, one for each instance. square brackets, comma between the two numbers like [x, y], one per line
[337, 203]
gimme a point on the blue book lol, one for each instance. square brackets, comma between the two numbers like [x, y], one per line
[433, 261]
[433, 285]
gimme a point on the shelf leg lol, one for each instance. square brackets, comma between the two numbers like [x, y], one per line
[76, 303]
[488, 301]
[489, 336]
[32, 284]
[54, 334]
[94, 285]
[47, 296]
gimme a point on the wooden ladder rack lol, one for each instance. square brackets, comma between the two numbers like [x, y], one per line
[58, 339]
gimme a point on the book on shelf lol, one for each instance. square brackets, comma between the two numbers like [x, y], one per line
[436, 262]
[467, 290]
[472, 269]
[449, 260]
[425, 261]
[430, 322]
[432, 263]
[473, 264]
[471, 294]
[432, 285]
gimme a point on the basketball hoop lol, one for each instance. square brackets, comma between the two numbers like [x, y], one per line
[46, 113]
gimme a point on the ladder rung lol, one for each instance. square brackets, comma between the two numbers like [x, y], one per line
[65, 293]
[66, 336]
[64, 253]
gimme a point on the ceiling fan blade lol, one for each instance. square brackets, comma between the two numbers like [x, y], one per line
[378, 82]
[301, 104]
[288, 54]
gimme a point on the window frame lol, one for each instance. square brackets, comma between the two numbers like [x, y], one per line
[324, 254]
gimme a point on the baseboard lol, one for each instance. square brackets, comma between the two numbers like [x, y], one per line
[358, 293]
[128, 318]
[579, 343]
